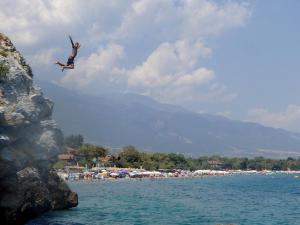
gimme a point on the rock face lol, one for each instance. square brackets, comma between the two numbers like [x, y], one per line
[29, 143]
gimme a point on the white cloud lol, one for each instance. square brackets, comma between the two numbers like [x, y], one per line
[197, 77]
[170, 20]
[44, 57]
[99, 67]
[26, 20]
[288, 119]
[169, 36]
[169, 63]
[29, 22]
[170, 72]
[226, 114]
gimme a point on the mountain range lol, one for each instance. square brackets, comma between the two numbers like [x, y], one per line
[117, 120]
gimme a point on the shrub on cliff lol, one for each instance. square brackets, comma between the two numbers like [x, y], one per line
[4, 69]
[3, 53]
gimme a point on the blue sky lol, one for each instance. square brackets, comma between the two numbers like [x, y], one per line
[237, 58]
[260, 61]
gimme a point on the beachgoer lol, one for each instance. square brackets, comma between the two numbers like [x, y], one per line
[70, 62]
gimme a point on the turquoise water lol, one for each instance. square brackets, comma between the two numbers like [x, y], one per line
[245, 200]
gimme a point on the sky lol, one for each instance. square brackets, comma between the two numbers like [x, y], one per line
[238, 59]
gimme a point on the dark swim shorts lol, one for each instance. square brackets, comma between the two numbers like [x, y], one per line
[70, 61]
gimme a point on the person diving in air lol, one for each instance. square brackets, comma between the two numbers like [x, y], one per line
[70, 62]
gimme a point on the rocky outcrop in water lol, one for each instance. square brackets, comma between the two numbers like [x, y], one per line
[29, 143]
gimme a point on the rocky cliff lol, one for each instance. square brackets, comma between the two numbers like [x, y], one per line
[29, 143]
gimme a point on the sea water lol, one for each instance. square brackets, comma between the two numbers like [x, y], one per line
[244, 200]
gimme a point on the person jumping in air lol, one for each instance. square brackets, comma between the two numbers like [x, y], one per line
[70, 62]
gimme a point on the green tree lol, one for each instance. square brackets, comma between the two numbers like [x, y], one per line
[244, 164]
[60, 164]
[178, 160]
[130, 157]
[74, 141]
[89, 150]
[88, 153]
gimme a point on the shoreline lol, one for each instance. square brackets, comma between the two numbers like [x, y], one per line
[294, 174]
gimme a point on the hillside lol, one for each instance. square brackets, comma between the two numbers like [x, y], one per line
[117, 120]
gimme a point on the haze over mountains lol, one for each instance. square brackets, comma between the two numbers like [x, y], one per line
[117, 120]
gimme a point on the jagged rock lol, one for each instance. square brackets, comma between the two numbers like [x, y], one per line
[62, 197]
[29, 142]
[4, 140]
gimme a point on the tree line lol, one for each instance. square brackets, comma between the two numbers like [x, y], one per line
[130, 157]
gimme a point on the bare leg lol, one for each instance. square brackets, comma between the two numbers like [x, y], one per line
[68, 67]
[59, 63]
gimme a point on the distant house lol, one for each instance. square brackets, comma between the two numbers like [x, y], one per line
[66, 157]
[70, 150]
[215, 164]
[69, 156]
[106, 160]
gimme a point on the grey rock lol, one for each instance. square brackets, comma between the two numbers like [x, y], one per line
[62, 197]
[29, 142]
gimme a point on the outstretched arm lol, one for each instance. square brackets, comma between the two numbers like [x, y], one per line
[71, 41]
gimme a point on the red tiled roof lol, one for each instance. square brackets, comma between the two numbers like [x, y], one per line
[65, 157]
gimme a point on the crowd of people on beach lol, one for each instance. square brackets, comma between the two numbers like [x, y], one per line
[96, 173]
